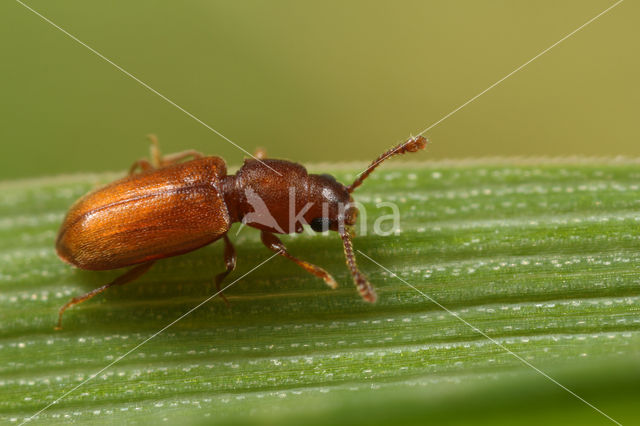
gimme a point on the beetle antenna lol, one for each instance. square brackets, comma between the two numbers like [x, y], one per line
[414, 144]
[362, 283]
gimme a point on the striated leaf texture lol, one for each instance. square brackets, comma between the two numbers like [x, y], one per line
[541, 256]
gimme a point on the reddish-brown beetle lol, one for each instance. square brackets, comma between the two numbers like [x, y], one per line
[174, 207]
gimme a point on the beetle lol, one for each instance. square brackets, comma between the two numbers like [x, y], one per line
[167, 207]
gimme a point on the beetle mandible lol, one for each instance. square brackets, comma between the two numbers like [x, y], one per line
[172, 207]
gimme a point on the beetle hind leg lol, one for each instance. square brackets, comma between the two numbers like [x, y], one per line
[230, 259]
[127, 277]
[273, 243]
[156, 158]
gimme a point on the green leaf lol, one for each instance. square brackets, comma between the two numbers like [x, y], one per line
[542, 258]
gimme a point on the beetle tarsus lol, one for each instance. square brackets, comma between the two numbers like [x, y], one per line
[260, 153]
[127, 277]
[274, 244]
[154, 149]
[230, 259]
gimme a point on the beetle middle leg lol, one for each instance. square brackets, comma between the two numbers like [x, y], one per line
[127, 277]
[143, 165]
[158, 160]
[179, 156]
[273, 243]
[230, 259]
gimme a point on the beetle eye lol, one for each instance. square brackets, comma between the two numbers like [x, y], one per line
[320, 224]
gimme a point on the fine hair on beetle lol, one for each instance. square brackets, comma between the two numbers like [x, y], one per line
[167, 207]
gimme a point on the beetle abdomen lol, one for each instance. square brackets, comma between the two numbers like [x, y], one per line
[162, 213]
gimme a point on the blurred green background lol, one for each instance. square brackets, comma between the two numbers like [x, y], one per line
[328, 81]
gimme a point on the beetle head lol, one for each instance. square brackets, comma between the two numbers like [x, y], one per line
[331, 206]
[340, 213]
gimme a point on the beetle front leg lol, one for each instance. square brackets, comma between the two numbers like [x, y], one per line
[127, 277]
[230, 259]
[260, 153]
[273, 243]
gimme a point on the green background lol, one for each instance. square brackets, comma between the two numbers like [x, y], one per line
[328, 81]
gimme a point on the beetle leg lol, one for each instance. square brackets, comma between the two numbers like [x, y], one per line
[159, 160]
[229, 260]
[128, 276]
[178, 156]
[273, 243]
[144, 165]
[154, 149]
[260, 153]
[156, 158]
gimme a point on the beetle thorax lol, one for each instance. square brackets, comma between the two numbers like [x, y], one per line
[282, 203]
